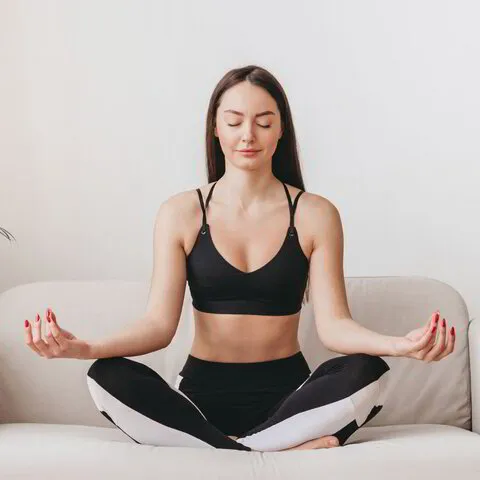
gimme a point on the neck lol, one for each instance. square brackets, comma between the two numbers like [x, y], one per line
[245, 190]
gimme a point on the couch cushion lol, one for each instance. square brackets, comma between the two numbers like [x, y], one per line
[79, 452]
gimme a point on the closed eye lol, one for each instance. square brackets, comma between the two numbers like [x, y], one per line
[237, 124]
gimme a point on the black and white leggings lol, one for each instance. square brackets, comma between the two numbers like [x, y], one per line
[270, 405]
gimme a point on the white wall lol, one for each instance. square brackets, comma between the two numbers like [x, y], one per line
[102, 115]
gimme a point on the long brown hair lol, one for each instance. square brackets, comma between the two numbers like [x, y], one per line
[285, 160]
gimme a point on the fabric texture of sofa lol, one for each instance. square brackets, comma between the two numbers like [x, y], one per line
[50, 428]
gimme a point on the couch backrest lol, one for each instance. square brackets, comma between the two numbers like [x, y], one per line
[34, 389]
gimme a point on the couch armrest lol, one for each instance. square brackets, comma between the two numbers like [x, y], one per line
[474, 347]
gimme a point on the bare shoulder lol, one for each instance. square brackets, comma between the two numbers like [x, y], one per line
[179, 211]
[312, 205]
[317, 215]
[186, 203]
[318, 205]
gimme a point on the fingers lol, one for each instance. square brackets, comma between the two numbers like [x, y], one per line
[52, 315]
[444, 344]
[54, 342]
[439, 345]
[50, 339]
[29, 339]
[58, 337]
[450, 344]
[37, 337]
[427, 340]
[445, 348]
[433, 321]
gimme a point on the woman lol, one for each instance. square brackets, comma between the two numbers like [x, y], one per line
[245, 243]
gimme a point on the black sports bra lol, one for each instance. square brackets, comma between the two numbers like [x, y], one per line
[276, 288]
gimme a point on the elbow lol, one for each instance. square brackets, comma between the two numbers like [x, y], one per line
[326, 340]
[336, 334]
[328, 336]
[167, 336]
[329, 346]
[161, 334]
[164, 340]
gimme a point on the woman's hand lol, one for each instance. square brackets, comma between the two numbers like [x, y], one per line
[59, 343]
[420, 343]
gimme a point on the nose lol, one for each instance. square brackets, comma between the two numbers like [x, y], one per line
[247, 133]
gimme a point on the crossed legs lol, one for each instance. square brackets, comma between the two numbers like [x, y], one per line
[338, 397]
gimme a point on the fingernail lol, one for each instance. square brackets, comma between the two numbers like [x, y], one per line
[26, 323]
[443, 323]
[452, 330]
[38, 317]
[437, 316]
[48, 319]
[434, 329]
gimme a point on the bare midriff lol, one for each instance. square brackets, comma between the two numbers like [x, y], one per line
[244, 338]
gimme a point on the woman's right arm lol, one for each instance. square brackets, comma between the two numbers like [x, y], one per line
[156, 329]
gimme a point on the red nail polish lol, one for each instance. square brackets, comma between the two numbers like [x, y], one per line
[452, 330]
[38, 317]
[48, 319]
[443, 323]
[434, 329]
[26, 323]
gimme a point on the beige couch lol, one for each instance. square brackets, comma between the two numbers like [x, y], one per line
[51, 429]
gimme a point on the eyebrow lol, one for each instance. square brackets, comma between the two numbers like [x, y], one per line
[266, 112]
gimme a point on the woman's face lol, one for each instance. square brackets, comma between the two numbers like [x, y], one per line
[248, 118]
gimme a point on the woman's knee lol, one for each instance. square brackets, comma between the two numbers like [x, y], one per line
[106, 370]
[108, 379]
[369, 365]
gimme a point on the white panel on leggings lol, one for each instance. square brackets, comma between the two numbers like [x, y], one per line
[364, 400]
[314, 423]
[143, 429]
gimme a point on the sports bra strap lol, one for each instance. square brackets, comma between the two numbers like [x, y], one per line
[210, 194]
[292, 208]
[204, 207]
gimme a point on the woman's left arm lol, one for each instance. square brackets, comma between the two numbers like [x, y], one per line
[335, 326]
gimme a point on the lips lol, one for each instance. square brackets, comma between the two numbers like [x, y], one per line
[249, 151]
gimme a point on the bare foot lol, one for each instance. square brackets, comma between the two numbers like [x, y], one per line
[316, 443]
